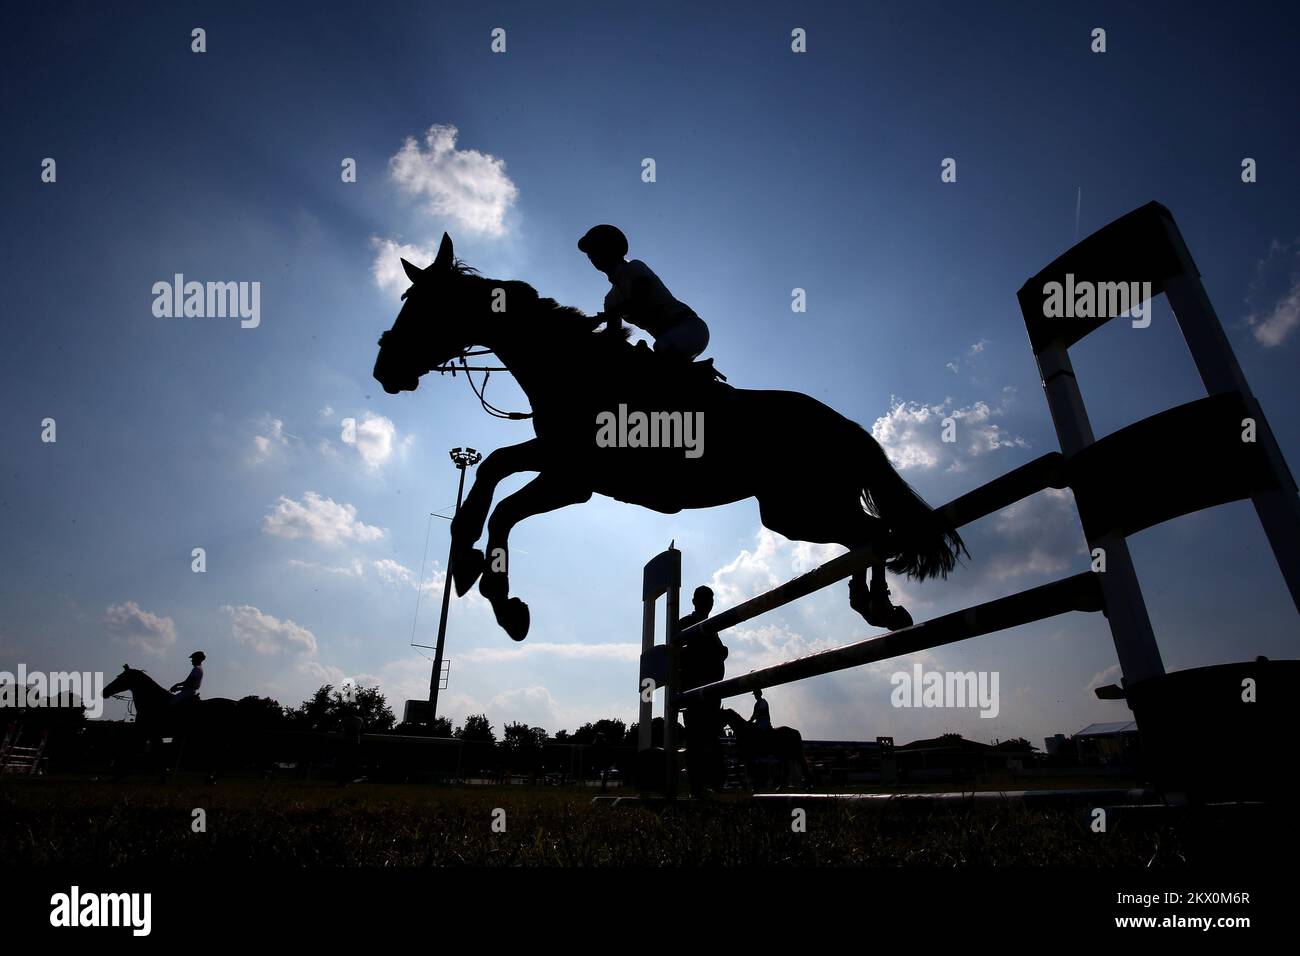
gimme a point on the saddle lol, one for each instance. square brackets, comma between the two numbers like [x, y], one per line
[700, 372]
[704, 368]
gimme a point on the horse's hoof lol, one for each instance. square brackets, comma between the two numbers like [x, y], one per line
[466, 567]
[494, 586]
[515, 618]
[899, 618]
[891, 617]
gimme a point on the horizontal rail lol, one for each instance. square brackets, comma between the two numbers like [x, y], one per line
[1079, 592]
[1132, 797]
[1044, 472]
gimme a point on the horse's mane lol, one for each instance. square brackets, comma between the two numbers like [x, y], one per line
[563, 322]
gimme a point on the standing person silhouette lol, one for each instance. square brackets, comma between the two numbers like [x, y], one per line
[640, 296]
[702, 659]
[188, 689]
[761, 717]
[348, 762]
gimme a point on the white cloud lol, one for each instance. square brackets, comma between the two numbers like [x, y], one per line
[1038, 537]
[750, 572]
[267, 634]
[353, 570]
[321, 519]
[387, 267]
[514, 652]
[773, 560]
[148, 632]
[270, 437]
[1278, 270]
[325, 673]
[399, 575]
[465, 185]
[976, 349]
[527, 705]
[912, 434]
[1110, 675]
[1272, 328]
[372, 437]
[808, 555]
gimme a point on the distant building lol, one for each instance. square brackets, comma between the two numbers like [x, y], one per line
[1111, 744]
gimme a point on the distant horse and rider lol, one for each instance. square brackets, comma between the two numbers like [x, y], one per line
[575, 377]
[768, 754]
[179, 713]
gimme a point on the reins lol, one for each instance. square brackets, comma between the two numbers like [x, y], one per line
[480, 391]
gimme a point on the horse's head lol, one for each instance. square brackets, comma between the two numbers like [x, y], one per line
[434, 325]
[123, 682]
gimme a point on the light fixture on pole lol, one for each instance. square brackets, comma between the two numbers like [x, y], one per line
[462, 458]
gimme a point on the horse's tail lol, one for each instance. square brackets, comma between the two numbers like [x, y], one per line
[927, 546]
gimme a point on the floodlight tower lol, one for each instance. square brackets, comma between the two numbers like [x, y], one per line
[462, 458]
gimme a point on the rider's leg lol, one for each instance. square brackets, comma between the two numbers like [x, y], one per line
[685, 340]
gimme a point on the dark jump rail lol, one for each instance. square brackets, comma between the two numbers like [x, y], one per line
[1188, 458]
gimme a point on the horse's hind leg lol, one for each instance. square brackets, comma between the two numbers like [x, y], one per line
[838, 517]
[873, 602]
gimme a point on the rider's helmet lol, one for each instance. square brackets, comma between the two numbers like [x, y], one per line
[604, 238]
[198, 657]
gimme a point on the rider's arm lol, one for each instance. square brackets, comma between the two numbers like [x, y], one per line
[637, 302]
[630, 307]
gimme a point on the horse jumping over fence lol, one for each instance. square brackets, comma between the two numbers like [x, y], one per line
[854, 497]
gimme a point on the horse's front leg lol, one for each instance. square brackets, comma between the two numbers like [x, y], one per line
[466, 527]
[544, 493]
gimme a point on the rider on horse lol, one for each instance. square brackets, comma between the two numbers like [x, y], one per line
[188, 689]
[639, 295]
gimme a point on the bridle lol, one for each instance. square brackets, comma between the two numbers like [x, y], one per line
[478, 390]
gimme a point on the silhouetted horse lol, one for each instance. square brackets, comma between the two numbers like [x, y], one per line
[783, 745]
[746, 443]
[205, 724]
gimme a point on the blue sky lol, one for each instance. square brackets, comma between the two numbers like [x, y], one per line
[775, 170]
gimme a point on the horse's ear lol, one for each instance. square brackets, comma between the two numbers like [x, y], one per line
[412, 272]
[444, 254]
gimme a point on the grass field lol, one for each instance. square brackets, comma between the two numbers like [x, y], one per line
[51, 822]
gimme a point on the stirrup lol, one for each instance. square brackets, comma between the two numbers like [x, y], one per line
[705, 367]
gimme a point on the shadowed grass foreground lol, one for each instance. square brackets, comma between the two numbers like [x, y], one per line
[51, 822]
